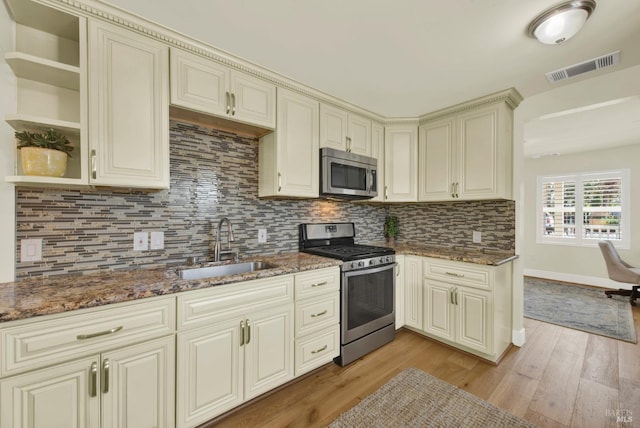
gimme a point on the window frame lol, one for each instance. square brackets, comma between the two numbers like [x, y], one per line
[578, 240]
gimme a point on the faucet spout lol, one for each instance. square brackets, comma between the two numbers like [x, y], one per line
[230, 239]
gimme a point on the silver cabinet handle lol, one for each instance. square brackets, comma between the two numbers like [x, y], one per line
[397, 268]
[453, 190]
[94, 170]
[319, 350]
[348, 144]
[456, 189]
[101, 333]
[457, 275]
[105, 376]
[451, 295]
[241, 332]
[228, 103]
[93, 380]
[248, 332]
[319, 284]
[233, 104]
[456, 295]
[279, 182]
[319, 314]
[386, 194]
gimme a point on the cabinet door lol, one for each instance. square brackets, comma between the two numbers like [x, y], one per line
[413, 292]
[401, 164]
[439, 309]
[435, 151]
[333, 127]
[65, 395]
[209, 372]
[377, 151]
[474, 319]
[400, 288]
[478, 155]
[138, 385]
[199, 84]
[268, 350]
[253, 100]
[289, 157]
[359, 135]
[128, 108]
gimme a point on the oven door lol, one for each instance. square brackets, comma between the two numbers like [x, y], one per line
[367, 301]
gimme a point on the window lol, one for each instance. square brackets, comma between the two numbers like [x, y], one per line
[584, 208]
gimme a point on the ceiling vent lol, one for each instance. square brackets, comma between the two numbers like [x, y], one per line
[584, 67]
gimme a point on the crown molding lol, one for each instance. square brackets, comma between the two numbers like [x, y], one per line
[509, 96]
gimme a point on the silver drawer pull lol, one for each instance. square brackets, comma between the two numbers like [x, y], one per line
[319, 284]
[319, 314]
[102, 333]
[319, 350]
[93, 380]
[459, 275]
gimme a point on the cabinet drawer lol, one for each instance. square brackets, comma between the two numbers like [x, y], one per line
[317, 349]
[317, 313]
[202, 307]
[54, 339]
[459, 273]
[316, 282]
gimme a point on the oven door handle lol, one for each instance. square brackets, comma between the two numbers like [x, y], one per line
[369, 271]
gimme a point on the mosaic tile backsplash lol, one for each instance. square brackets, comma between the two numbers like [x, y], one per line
[214, 174]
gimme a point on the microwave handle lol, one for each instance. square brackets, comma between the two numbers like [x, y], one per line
[372, 180]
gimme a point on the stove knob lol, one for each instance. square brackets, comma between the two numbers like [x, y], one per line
[353, 265]
[388, 259]
[372, 262]
[381, 260]
[360, 264]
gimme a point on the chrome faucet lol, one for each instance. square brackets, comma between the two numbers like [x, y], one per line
[216, 248]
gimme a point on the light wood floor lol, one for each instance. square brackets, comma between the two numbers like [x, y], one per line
[560, 377]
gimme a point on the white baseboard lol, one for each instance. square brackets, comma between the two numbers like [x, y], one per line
[517, 337]
[576, 279]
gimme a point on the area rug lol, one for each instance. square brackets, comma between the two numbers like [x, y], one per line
[579, 307]
[414, 398]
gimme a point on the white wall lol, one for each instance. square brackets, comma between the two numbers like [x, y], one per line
[576, 264]
[7, 157]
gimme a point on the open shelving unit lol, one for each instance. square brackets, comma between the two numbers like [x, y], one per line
[50, 66]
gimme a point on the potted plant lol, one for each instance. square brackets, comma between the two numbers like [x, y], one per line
[391, 229]
[44, 154]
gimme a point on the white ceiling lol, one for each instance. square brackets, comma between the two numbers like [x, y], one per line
[405, 58]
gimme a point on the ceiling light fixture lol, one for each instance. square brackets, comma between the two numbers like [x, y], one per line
[561, 22]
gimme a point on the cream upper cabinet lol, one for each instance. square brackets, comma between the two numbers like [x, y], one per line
[203, 85]
[377, 151]
[467, 156]
[128, 108]
[289, 157]
[344, 130]
[401, 163]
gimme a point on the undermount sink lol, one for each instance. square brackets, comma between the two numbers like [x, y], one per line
[222, 270]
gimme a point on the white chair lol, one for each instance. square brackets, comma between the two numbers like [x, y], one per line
[620, 271]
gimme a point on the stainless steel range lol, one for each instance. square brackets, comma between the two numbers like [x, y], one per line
[367, 286]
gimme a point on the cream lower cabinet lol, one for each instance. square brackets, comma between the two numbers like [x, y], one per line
[468, 305]
[128, 108]
[235, 342]
[317, 318]
[399, 292]
[413, 291]
[73, 373]
[289, 157]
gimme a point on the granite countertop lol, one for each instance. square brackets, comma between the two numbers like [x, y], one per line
[55, 294]
[460, 254]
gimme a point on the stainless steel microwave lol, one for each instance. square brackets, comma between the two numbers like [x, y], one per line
[346, 175]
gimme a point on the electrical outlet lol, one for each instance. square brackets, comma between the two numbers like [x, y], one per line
[477, 237]
[140, 241]
[157, 240]
[262, 236]
[30, 250]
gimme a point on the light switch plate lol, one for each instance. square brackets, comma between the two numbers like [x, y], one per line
[477, 237]
[157, 240]
[262, 236]
[140, 241]
[30, 250]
